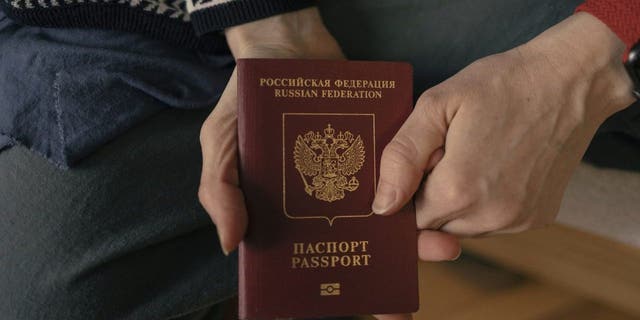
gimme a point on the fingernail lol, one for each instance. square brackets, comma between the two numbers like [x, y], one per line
[221, 241]
[458, 256]
[385, 197]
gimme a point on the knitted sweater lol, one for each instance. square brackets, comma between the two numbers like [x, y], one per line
[188, 23]
[622, 17]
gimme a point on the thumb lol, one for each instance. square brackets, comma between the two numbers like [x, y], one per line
[406, 158]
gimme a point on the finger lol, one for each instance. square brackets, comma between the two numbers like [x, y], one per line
[483, 222]
[438, 246]
[225, 204]
[393, 316]
[465, 228]
[435, 159]
[499, 218]
[406, 158]
[219, 190]
[446, 195]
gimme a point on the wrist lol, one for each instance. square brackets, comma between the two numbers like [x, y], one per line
[586, 53]
[295, 34]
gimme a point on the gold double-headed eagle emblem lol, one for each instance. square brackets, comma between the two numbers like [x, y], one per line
[331, 160]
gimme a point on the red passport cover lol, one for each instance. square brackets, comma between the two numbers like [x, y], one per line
[311, 133]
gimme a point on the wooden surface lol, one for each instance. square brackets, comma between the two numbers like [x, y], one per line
[603, 201]
[473, 289]
[594, 267]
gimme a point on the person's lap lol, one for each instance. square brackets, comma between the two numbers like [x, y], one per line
[122, 235]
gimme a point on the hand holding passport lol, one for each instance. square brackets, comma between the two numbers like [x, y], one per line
[219, 192]
[505, 108]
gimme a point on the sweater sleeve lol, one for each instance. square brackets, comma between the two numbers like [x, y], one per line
[191, 24]
[621, 16]
[215, 15]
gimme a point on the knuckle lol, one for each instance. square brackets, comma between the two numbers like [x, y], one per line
[459, 192]
[506, 213]
[204, 130]
[501, 220]
[433, 96]
[204, 194]
[430, 103]
[436, 223]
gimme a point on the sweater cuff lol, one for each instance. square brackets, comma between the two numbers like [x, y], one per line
[216, 15]
[621, 16]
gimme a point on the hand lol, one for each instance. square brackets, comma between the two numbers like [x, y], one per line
[506, 133]
[298, 34]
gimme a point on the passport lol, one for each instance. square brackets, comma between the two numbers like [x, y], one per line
[310, 137]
